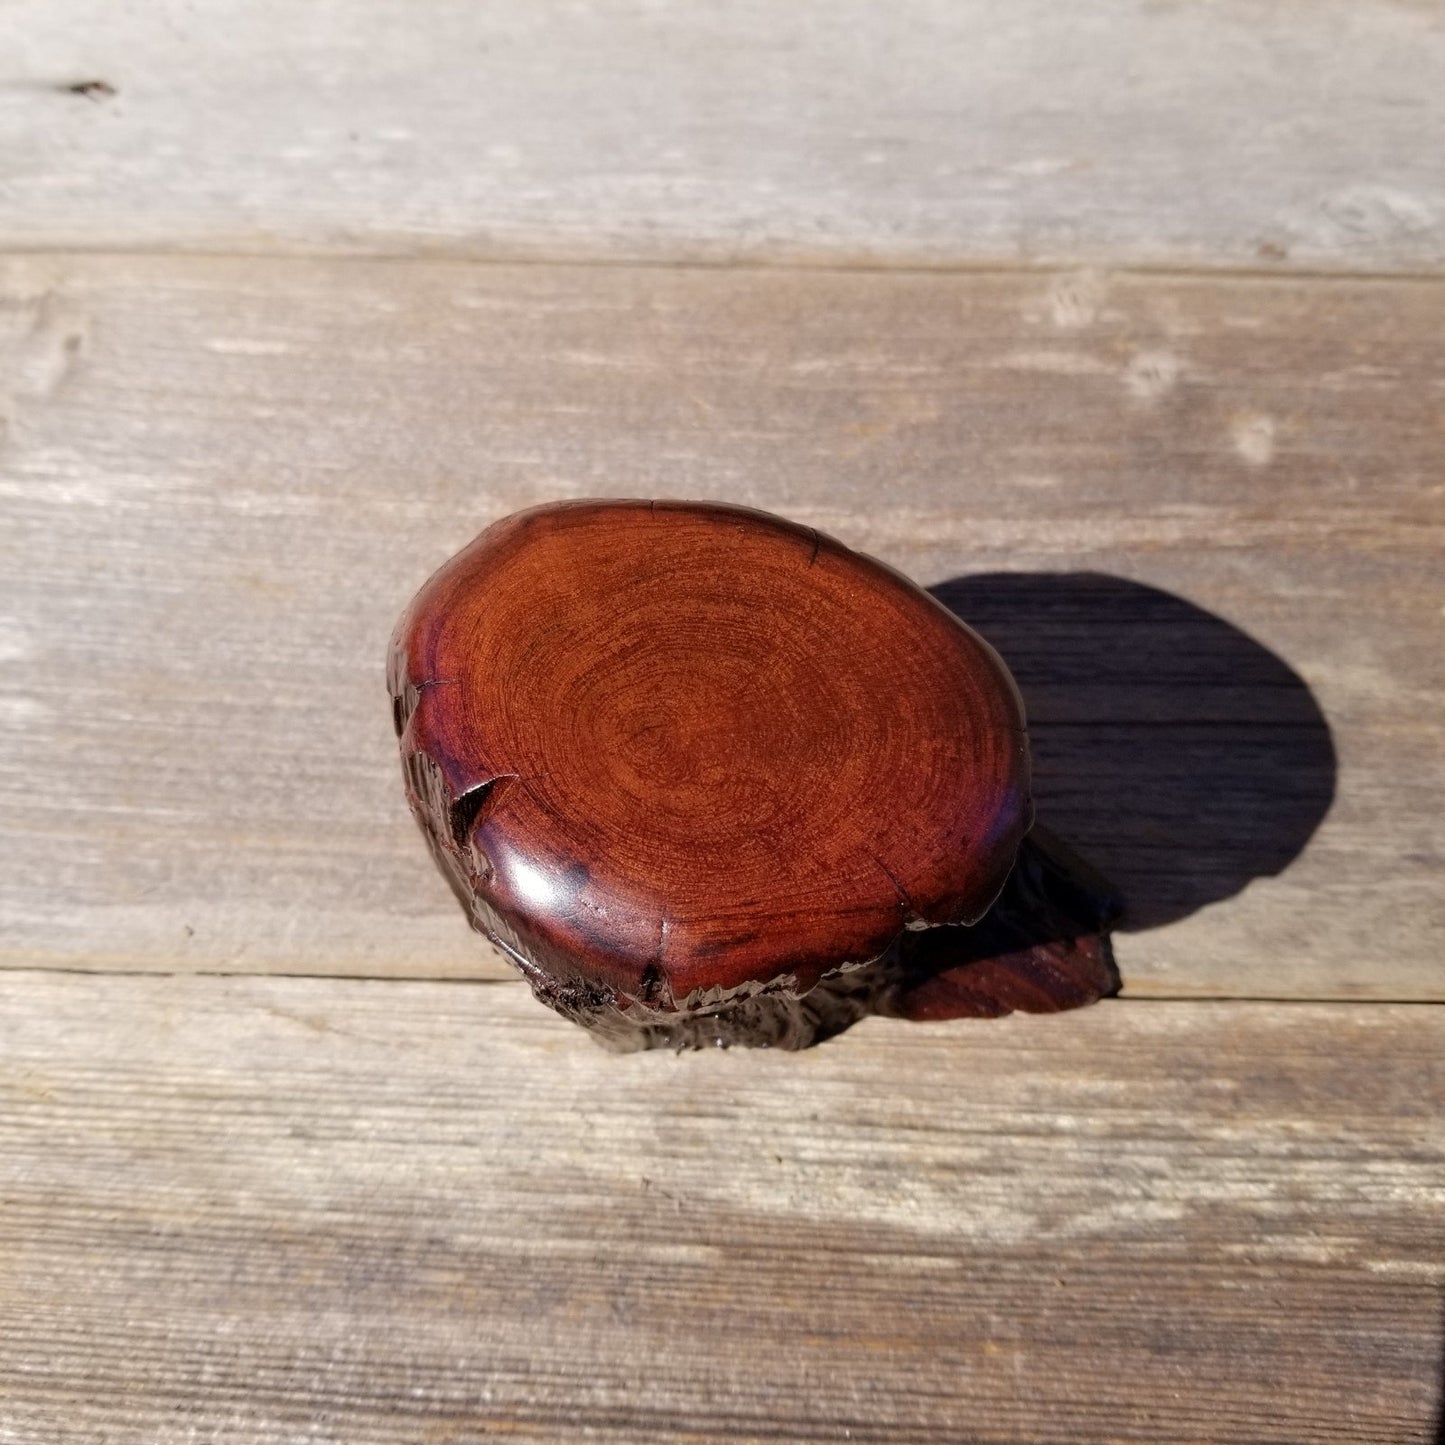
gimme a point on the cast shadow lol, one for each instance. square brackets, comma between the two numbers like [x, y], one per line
[1178, 755]
[1438, 1438]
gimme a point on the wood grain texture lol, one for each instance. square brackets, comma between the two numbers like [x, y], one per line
[675, 755]
[221, 480]
[262, 1210]
[1206, 131]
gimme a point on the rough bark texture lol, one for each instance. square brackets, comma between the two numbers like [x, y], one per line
[1041, 948]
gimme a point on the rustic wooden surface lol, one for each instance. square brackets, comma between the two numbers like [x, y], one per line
[1122, 327]
[223, 479]
[1162, 131]
[260, 1210]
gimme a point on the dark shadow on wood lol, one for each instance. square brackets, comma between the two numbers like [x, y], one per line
[1178, 755]
[1438, 1438]
[1042, 948]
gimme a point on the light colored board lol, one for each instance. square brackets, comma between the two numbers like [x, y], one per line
[1185, 131]
[283, 1210]
[222, 479]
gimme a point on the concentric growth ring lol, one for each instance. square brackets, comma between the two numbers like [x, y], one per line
[670, 751]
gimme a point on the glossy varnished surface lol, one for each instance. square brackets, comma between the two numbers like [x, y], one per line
[669, 750]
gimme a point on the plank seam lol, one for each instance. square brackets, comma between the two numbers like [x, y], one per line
[916, 266]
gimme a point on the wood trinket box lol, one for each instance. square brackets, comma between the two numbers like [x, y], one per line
[710, 777]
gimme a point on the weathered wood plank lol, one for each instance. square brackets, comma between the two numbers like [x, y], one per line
[1203, 131]
[221, 480]
[253, 1210]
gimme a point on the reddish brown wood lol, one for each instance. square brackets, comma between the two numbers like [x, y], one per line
[1041, 948]
[686, 762]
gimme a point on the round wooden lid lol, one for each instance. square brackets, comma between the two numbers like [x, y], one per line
[674, 749]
